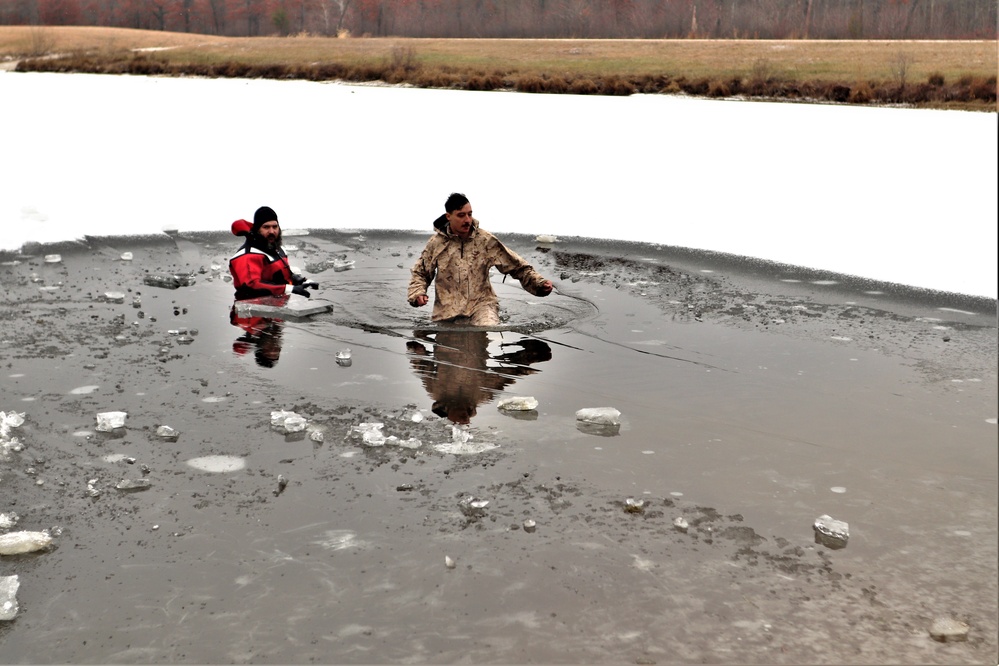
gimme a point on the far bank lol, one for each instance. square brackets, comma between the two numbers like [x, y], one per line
[921, 74]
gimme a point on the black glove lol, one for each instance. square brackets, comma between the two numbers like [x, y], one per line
[311, 284]
[300, 290]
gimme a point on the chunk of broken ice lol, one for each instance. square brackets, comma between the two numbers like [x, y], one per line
[545, 238]
[473, 506]
[114, 296]
[166, 432]
[599, 415]
[108, 421]
[8, 520]
[8, 597]
[518, 403]
[830, 532]
[948, 630]
[15, 543]
[126, 256]
[340, 265]
[8, 421]
[632, 505]
[53, 258]
[371, 433]
[168, 280]
[290, 421]
[134, 484]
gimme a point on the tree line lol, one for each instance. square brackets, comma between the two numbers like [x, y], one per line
[541, 19]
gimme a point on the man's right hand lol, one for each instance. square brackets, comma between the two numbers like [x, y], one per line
[420, 301]
[300, 290]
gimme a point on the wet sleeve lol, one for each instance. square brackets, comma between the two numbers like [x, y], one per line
[509, 262]
[422, 274]
[247, 271]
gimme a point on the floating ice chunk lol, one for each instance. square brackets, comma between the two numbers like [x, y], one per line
[317, 436]
[168, 280]
[166, 432]
[217, 464]
[278, 417]
[371, 433]
[464, 448]
[126, 256]
[530, 525]
[134, 484]
[295, 423]
[53, 258]
[473, 507]
[114, 296]
[8, 597]
[518, 403]
[632, 505]
[83, 390]
[599, 415]
[340, 265]
[108, 421]
[831, 533]
[343, 358]
[15, 543]
[9, 421]
[8, 520]
[290, 421]
[545, 238]
[681, 524]
[449, 563]
[947, 630]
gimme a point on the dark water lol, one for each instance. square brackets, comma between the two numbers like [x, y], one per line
[749, 406]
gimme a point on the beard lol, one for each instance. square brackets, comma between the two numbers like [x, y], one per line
[271, 246]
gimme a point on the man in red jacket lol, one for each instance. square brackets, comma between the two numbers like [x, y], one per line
[260, 267]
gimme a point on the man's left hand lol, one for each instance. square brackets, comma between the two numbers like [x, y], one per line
[546, 287]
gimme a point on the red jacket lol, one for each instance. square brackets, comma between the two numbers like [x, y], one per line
[256, 272]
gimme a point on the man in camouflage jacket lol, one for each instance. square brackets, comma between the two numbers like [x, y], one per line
[459, 256]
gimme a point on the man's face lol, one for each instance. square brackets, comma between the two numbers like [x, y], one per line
[270, 232]
[460, 221]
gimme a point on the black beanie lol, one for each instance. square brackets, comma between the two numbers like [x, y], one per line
[264, 214]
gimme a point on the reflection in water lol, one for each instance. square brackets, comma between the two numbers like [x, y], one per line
[261, 334]
[460, 374]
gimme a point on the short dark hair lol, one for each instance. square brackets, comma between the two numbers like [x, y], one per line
[454, 202]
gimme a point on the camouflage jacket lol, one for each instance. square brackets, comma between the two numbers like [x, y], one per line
[461, 268]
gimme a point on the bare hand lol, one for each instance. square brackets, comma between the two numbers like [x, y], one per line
[420, 301]
[546, 287]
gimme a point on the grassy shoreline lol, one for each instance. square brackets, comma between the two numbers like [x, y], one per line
[923, 74]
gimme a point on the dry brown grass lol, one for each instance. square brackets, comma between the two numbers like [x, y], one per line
[593, 66]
